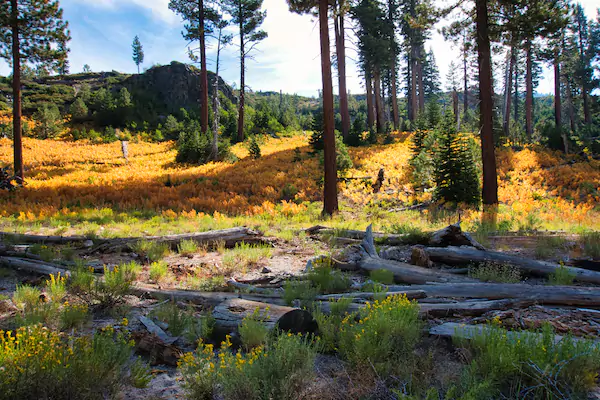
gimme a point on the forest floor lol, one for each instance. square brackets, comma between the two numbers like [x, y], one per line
[549, 206]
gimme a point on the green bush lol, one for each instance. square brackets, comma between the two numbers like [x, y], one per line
[159, 271]
[330, 323]
[49, 121]
[561, 276]
[107, 292]
[254, 148]
[151, 250]
[495, 272]
[184, 323]
[140, 375]
[253, 331]
[326, 279]
[532, 366]
[38, 363]
[195, 147]
[187, 247]
[303, 291]
[382, 276]
[590, 242]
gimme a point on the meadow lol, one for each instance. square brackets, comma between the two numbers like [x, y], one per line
[81, 187]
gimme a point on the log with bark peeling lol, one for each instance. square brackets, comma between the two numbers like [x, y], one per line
[229, 315]
[33, 266]
[465, 255]
[365, 258]
[230, 237]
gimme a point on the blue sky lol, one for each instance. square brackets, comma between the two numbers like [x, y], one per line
[288, 59]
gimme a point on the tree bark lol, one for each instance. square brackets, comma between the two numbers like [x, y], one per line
[463, 255]
[22, 238]
[466, 79]
[456, 109]
[570, 105]
[421, 79]
[557, 99]
[240, 133]
[203, 71]
[36, 267]
[17, 127]
[516, 105]
[370, 108]
[508, 92]
[414, 104]
[330, 199]
[229, 315]
[529, 92]
[490, 180]
[340, 47]
[379, 101]
[216, 104]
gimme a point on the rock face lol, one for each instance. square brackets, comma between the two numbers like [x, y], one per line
[172, 87]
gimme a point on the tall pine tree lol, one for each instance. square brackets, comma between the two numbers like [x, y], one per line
[138, 52]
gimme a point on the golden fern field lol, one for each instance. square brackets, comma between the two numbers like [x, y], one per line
[89, 188]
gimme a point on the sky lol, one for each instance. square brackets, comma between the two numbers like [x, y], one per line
[288, 59]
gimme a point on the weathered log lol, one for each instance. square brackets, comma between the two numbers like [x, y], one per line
[230, 237]
[548, 295]
[410, 294]
[208, 299]
[157, 330]
[159, 352]
[383, 238]
[465, 255]
[36, 267]
[368, 260]
[420, 258]
[453, 235]
[23, 238]
[229, 315]
[248, 288]
[455, 330]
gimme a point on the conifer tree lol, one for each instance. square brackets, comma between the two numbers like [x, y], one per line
[248, 16]
[31, 31]
[138, 52]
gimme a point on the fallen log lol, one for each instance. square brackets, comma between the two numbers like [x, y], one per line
[32, 266]
[230, 237]
[248, 288]
[39, 239]
[157, 330]
[464, 255]
[410, 294]
[229, 315]
[548, 295]
[207, 299]
[367, 260]
[158, 351]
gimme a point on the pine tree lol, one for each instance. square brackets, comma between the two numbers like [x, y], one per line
[79, 110]
[431, 77]
[29, 31]
[248, 16]
[455, 174]
[138, 52]
[86, 69]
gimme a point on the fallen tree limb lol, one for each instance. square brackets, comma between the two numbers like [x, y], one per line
[23, 238]
[548, 295]
[410, 294]
[36, 267]
[367, 260]
[157, 330]
[465, 255]
[229, 315]
[248, 288]
[230, 237]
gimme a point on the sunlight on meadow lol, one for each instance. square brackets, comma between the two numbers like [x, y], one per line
[78, 186]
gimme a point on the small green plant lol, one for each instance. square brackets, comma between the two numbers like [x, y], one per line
[330, 324]
[383, 276]
[303, 291]
[206, 284]
[151, 250]
[139, 374]
[44, 252]
[561, 276]
[105, 293]
[26, 297]
[591, 244]
[326, 279]
[56, 288]
[73, 316]
[159, 271]
[547, 246]
[495, 272]
[253, 331]
[254, 148]
[187, 247]
[245, 255]
[413, 234]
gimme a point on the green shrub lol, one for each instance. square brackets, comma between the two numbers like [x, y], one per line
[495, 272]
[330, 324]
[526, 365]
[56, 288]
[38, 363]
[254, 148]
[184, 322]
[26, 297]
[140, 375]
[107, 292]
[253, 331]
[73, 316]
[561, 276]
[159, 271]
[46, 253]
[206, 284]
[547, 246]
[591, 244]
[342, 158]
[187, 247]
[303, 291]
[383, 338]
[279, 370]
[382, 276]
[413, 233]
[195, 147]
[151, 250]
[328, 280]
[49, 121]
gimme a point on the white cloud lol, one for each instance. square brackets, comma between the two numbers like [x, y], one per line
[159, 9]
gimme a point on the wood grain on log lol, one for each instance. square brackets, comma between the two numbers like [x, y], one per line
[32, 266]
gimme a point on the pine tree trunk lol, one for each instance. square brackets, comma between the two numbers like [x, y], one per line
[569, 94]
[516, 105]
[466, 83]
[409, 109]
[16, 56]
[330, 200]
[203, 72]
[490, 182]
[508, 92]
[240, 133]
[529, 92]
[421, 84]
[455, 108]
[414, 104]
[370, 108]
[340, 47]
[378, 101]
[557, 100]
[394, 95]
[215, 140]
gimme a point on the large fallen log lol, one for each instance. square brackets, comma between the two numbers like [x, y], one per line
[451, 235]
[207, 299]
[229, 315]
[464, 255]
[230, 237]
[548, 295]
[366, 259]
[410, 294]
[32, 266]
[41, 239]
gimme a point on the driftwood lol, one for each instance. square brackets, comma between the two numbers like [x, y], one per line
[208, 299]
[366, 259]
[33, 266]
[230, 237]
[451, 235]
[464, 255]
[455, 330]
[22, 238]
[229, 315]
[548, 295]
